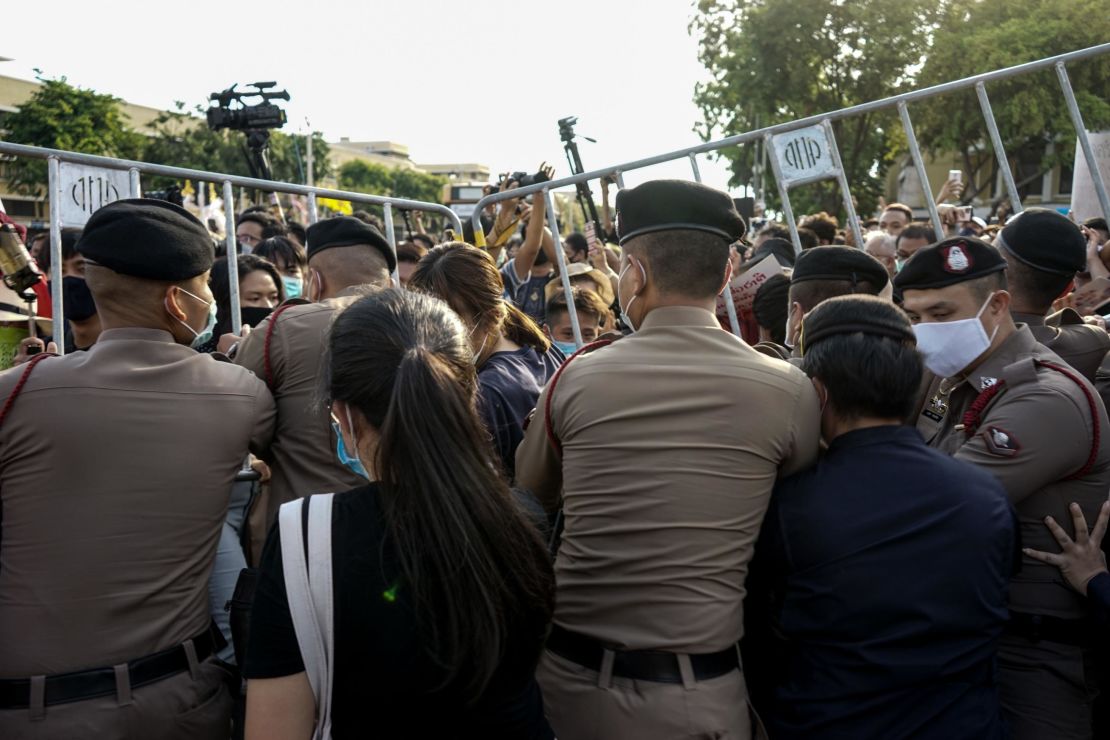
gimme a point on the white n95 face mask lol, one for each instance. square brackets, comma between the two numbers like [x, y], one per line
[949, 347]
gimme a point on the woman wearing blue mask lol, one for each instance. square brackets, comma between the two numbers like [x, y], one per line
[442, 591]
[514, 357]
[289, 258]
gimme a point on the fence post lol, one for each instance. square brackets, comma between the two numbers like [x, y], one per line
[232, 248]
[313, 213]
[136, 185]
[842, 179]
[730, 306]
[784, 194]
[919, 165]
[694, 166]
[999, 152]
[561, 258]
[387, 215]
[57, 307]
[1084, 140]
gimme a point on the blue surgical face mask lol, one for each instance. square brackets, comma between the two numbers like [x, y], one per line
[567, 348]
[350, 461]
[205, 334]
[293, 286]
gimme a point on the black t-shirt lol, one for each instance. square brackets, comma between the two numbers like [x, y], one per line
[383, 677]
[509, 384]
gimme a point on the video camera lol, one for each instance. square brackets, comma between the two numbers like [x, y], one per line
[263, 115]
[172, 194]
[523, 179]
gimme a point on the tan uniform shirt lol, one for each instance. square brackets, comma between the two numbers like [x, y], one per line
[672, 440]
[116, 466]
[1079, 344]
[1035, 434]
[302, 457]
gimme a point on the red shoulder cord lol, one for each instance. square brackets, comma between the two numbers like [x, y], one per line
[22, 382]
[974, 414]
[269, 338]
[549, 427]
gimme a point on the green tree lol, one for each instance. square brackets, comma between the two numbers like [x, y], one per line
[779, 60]
[400, 182]
[1030, 108]
[61, 116]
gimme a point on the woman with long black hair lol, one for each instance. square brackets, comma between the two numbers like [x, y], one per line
[442, 590]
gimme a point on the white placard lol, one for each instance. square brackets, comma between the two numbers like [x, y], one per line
[804, 154]
[1084, 199]
[84, 189]
[745, 285]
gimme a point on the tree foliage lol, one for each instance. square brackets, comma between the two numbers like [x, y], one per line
[376, 179]
[61, 116]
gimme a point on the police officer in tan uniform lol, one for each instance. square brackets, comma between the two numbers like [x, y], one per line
[115, 468]
[1044, 251]
[1010, 405]
[346, 258]
[662, 449]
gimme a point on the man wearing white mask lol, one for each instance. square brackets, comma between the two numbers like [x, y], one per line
[1010, 405]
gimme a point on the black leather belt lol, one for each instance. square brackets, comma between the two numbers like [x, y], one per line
[642, 665]
[15, 693]
[1038, 627]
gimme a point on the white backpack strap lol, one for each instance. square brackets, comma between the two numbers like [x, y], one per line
[310, 596]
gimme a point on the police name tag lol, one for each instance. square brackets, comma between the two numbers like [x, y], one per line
[85, 189]
[804, 154]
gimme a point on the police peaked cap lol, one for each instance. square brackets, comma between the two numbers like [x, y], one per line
[951, 261]
[1045, 241]
[849, 314]
[348, 231]
[665, 205]
[839, 263]
[149, 239]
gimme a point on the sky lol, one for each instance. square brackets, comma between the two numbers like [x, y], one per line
[481, 81]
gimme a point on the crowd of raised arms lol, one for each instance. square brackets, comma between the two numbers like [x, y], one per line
[427, 491]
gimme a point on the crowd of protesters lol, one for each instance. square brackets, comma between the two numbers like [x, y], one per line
[405, 501]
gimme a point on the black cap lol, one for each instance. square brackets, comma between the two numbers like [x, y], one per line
[149, 239]
[951, 261]
[347, 231]
[839, 263]
[848, 314]
[780, 248]
[663, 205]
[1045, 241]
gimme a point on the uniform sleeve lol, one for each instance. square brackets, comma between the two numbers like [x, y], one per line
[265, 422]
[805, 432]
[250, 355]
[538, 468]
[272, 648]
[1029, 439]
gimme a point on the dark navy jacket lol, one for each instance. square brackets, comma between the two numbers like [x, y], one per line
[885, 569]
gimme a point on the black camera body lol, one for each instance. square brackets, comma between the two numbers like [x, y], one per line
[262, 115]
[523, 179]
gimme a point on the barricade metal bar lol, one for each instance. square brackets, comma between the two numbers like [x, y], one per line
[842, 179]
[784, 194]
[619, 177]
[561, 258]
[919, 165]
[232, 259]
[136, 184]
[313, 213]
[730, 306]
[694, 167]
[1084, 140]
[391, 237]
[181, 173]
[54, 189]
[761, 133]
[999, 151]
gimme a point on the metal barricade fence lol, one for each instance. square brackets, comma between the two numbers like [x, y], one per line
[789, 137]
[135, 170]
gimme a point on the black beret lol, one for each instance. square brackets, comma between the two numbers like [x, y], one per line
[780, 248]
[848, 314]
[149, 239]
[1045, 241]
[951, 261]
[662, 205]
[839, 263]
[348, 231]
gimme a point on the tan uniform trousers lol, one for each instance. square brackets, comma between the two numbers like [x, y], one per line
[1047, 689]
[582, 704]
[179, 707]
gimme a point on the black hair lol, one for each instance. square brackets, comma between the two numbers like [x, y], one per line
[774, 230]
[426, 241]
[771, 306]
[270, 225]
[70, 237]
[683, 262]
[577, 242]
[984, 286]
[1098, 223]
[586, 302]
[823, 225]
[867, 375]
[219, 283]
[298, 231]
[282, 250]
[473, 569]
[808, 238]
[916, 231]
